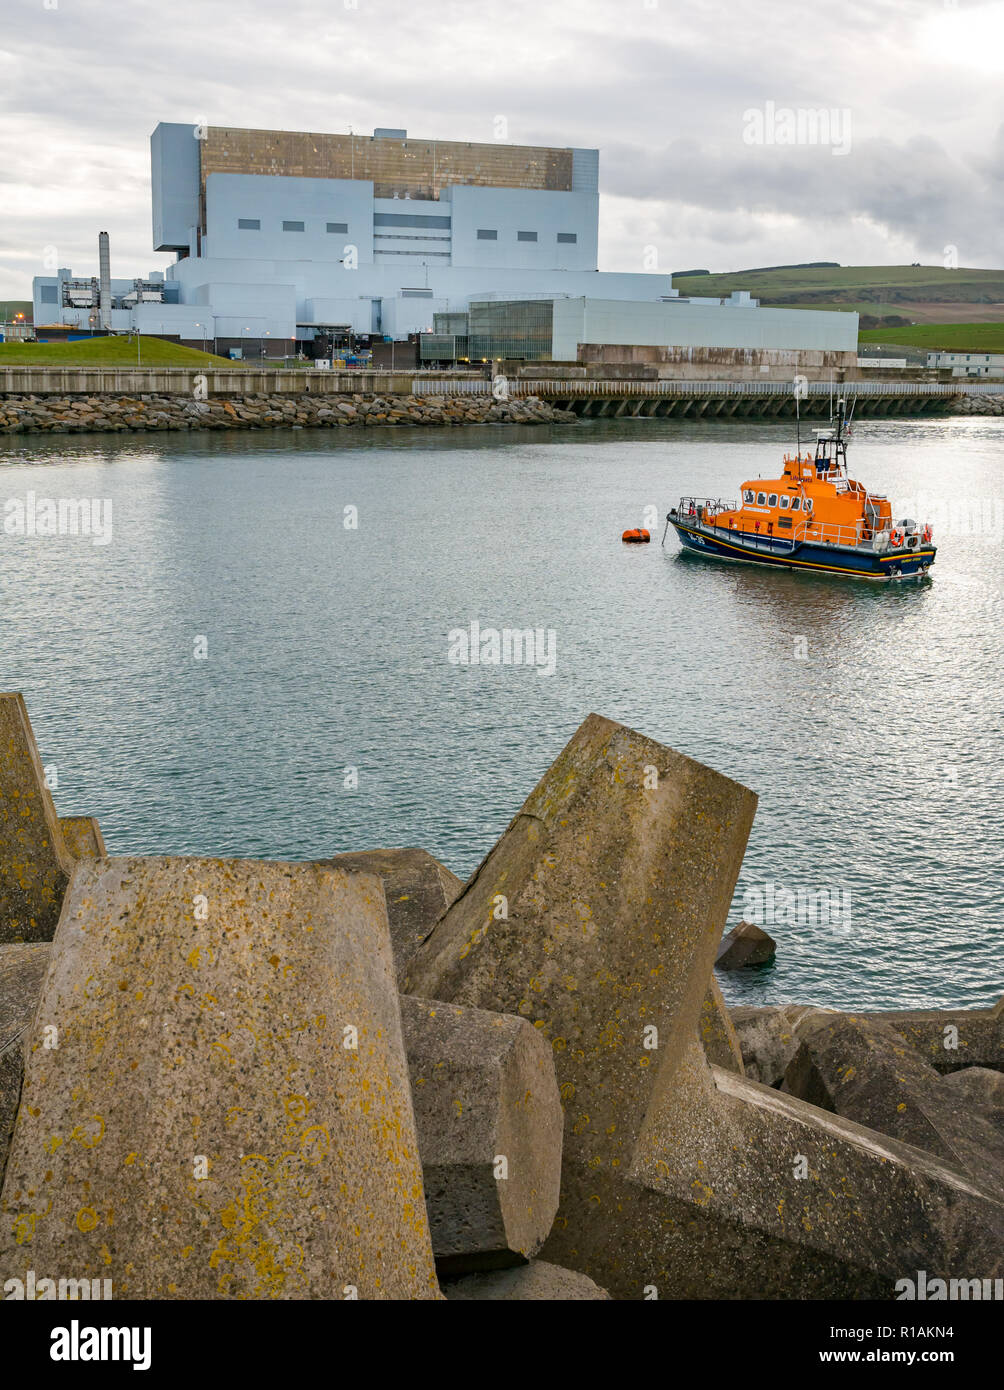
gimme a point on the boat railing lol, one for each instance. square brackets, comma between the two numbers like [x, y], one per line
[705, 511]
[704, 508]
[832, 534]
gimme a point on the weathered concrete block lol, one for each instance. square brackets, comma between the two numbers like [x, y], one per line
[769, 1037]
[718, 1037]
[737, 1191]
[745, 945]
[489, 1132]
[227, 1114]
[35, 865]
[952, 1038]
[82, 837]
[597, 916]
[537, 1280]
[982, 1090]
[419, 890]
[948, 1039]
[591, 916]
[866, 1072]
[22, 968]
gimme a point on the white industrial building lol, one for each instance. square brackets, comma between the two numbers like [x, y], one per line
[281, 236]
[968, 363]
[736, 322]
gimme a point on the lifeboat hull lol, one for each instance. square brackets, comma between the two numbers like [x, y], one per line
[856, 561]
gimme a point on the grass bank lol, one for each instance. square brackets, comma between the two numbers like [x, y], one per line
[941, 337]
[109, 352]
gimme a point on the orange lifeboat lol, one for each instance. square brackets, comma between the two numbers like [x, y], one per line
[637, 536]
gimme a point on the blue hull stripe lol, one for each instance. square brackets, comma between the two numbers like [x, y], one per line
[810, 556]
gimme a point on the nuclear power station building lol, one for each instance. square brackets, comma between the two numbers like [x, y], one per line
[281, 236]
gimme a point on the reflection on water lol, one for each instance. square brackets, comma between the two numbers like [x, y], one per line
[866, 717]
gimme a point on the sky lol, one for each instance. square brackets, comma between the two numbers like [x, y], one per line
[896, 108]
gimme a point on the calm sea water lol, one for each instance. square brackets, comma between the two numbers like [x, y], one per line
[867, 719]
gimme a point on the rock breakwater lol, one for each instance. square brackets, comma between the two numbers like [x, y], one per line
[978, 405]
[26, 414]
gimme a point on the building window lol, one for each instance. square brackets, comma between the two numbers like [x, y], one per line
[486, 234]
[570, 238]
[526, 236]
[292, 226]
[47, 294]
[338, 226]
[408, 219]
[249, 224]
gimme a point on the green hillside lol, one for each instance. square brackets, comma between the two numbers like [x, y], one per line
[108, 352]
[946, 337]
[918, 293]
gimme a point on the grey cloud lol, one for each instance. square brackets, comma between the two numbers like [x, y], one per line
[661, 91]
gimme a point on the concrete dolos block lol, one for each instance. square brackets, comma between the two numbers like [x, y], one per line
[82, 837]
[739, 1191]
[947, 1039]
[35, 864]
[769, 1037]
[718, 1037]
[227, 1114]
[868, 1073]
[677, 1175]
[21, 971]
[591, 916]
[951, 1039]
[744, 946]
[596, 916]
[419, 890]
[982, 1090]
[536, 1281]
[489, 1132]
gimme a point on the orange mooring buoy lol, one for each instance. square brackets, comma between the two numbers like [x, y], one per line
[637, 536]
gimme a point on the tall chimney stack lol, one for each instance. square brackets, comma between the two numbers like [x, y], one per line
[104, 282]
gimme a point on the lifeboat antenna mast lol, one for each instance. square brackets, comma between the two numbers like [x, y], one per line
[800, 389]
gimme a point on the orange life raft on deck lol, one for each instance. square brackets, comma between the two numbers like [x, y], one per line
[637, 536]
